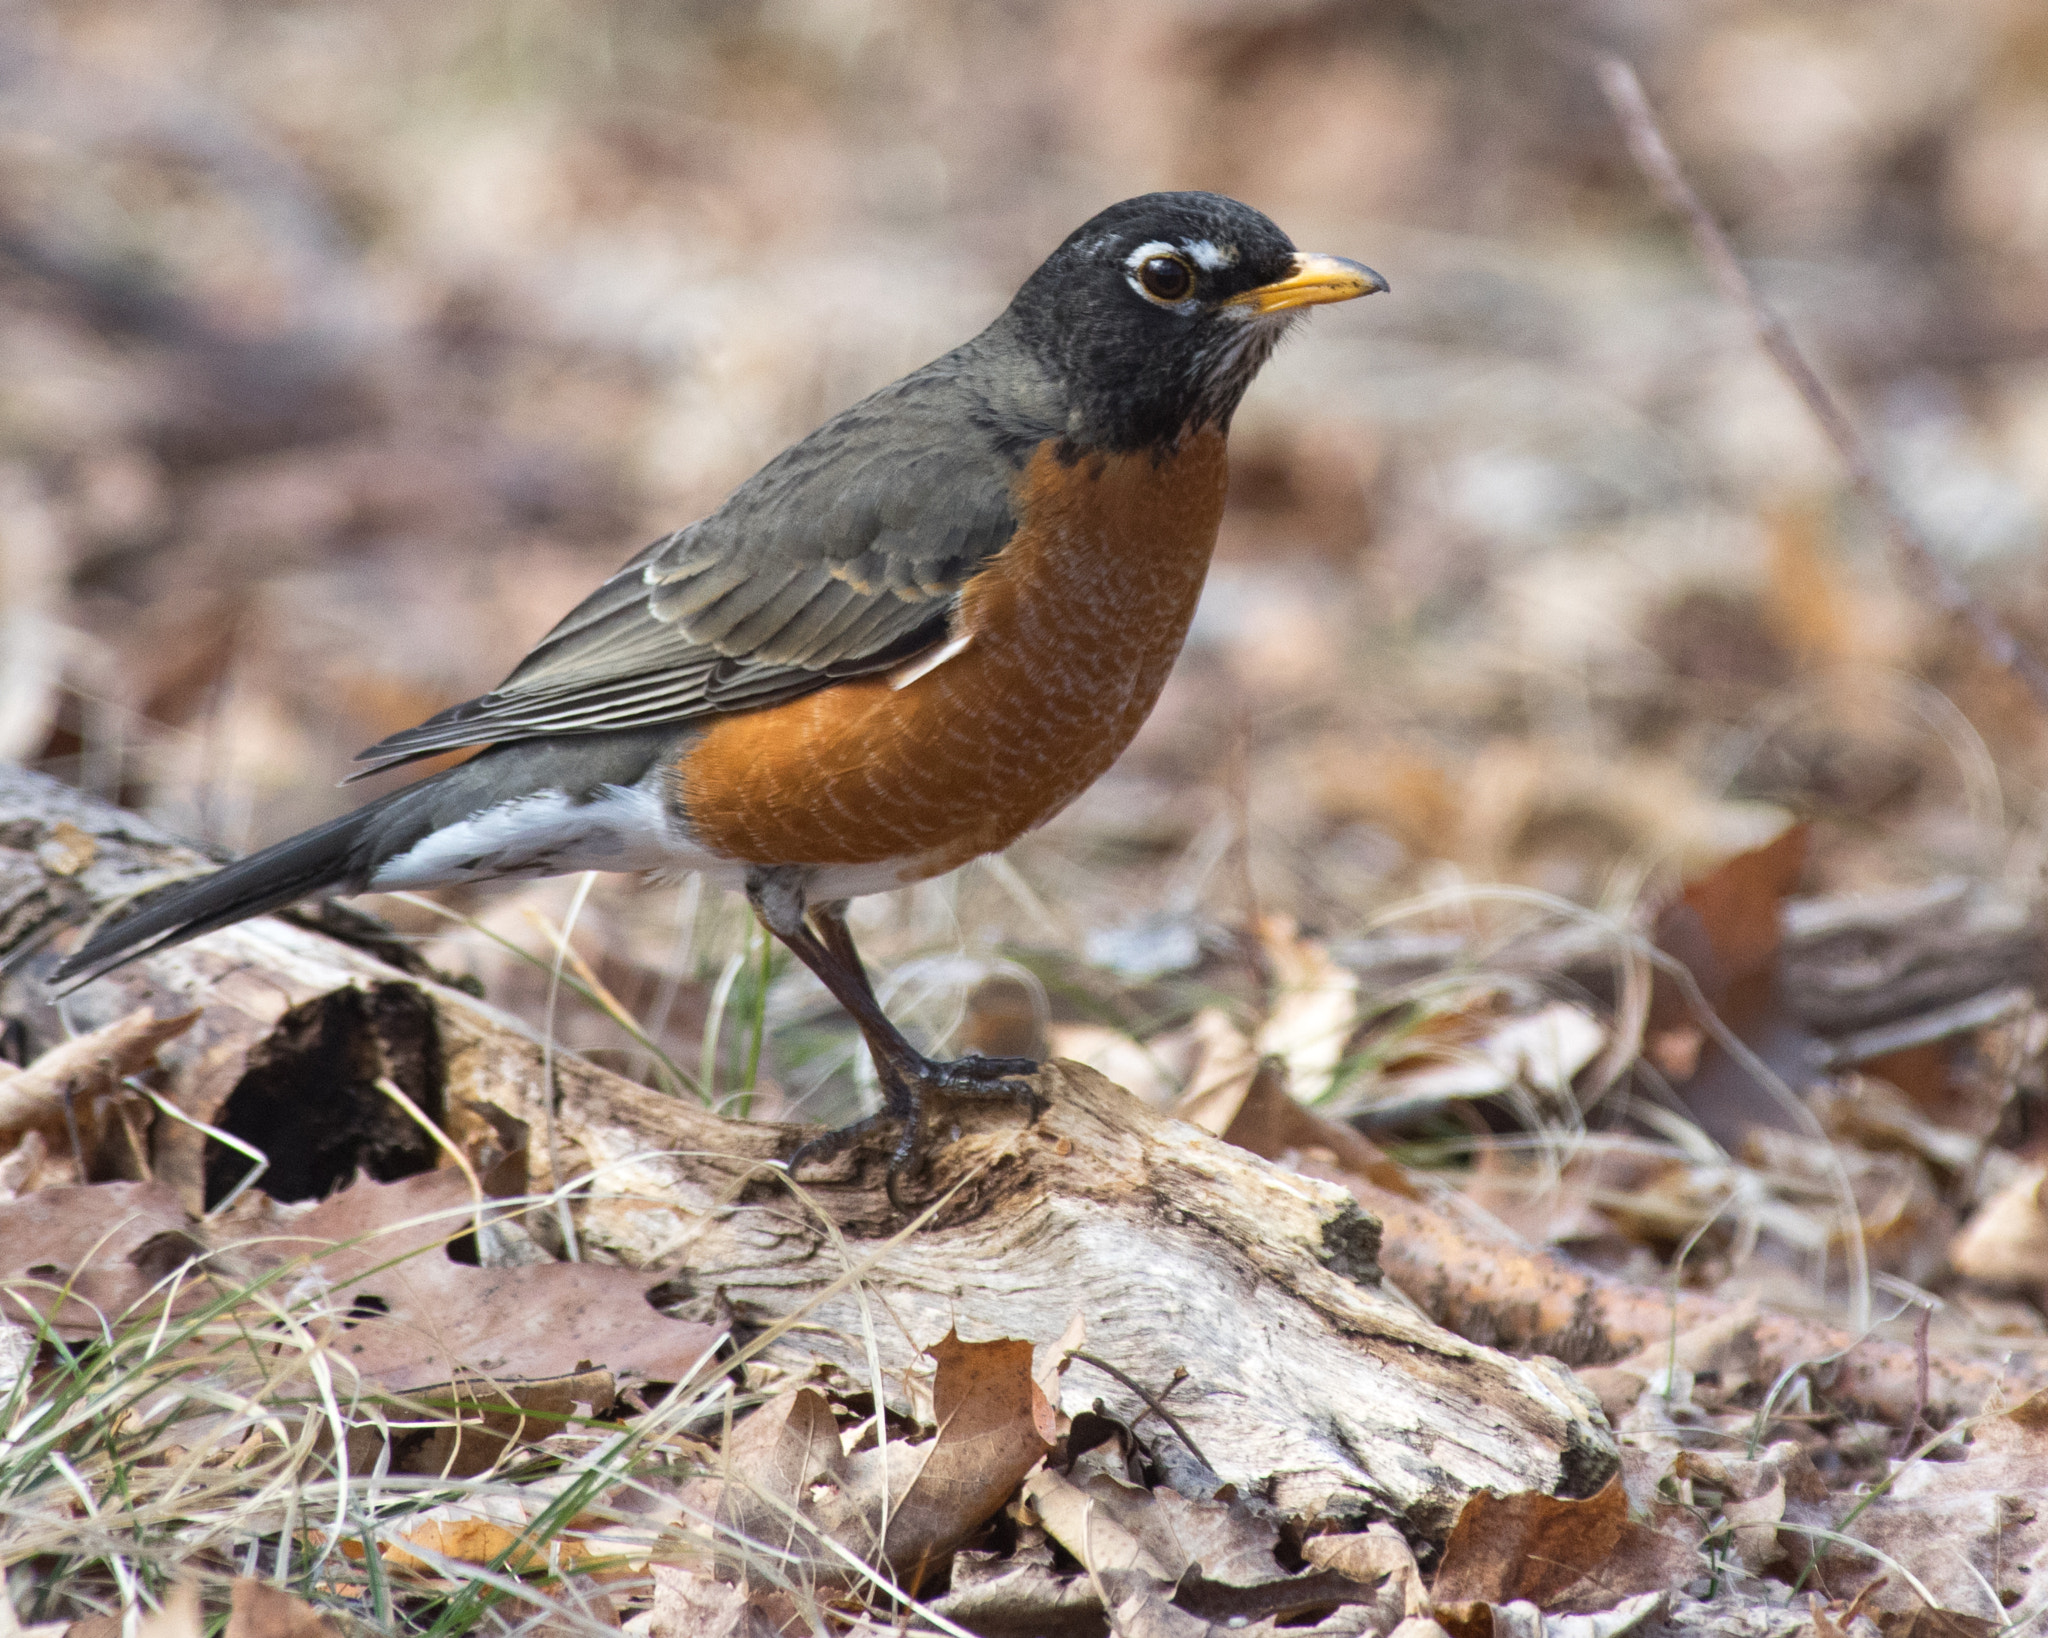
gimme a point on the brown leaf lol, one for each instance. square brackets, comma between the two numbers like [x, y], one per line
[1313, 1008]
[81, 1255]
[688, 1605]
[1020, 1593]
[475, 1420]
[1758, 1496]
[259, 1610]
[1972, 1531]
[380, 1245]
[178, 1617]
[1376, 1554]
[1922, 1622]
[2005, 1242]
[83, 1072]
[994, 1427]
[1559, 1555]
[505, 1353]
[1725, 925]
[788, 1478]
[1725, 929]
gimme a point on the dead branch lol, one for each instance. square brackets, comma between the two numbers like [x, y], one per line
[1918, 564]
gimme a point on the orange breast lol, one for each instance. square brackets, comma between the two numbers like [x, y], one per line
[1074, 627]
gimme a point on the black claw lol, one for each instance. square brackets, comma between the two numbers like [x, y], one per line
[827, 1144]
[903, 1091]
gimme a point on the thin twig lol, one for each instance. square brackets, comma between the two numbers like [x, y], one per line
[1918, 564]
[1180, 1375]
[1151, 1404]
[1920, 1360]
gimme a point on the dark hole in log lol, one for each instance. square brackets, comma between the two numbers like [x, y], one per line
[310, 1101]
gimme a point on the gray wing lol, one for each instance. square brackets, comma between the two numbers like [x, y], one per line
[843, 556]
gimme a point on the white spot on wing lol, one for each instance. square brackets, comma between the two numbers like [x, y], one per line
[925, 664]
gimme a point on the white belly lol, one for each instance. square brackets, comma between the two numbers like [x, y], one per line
[626, 828]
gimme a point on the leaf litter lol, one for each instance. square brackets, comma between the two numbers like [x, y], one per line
[1565, 664]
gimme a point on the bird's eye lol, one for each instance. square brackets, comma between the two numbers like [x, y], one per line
[1166, 278]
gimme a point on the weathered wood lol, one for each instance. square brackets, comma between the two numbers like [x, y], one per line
[1309, 1382]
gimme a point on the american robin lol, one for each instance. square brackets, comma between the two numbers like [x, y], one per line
[903, 643]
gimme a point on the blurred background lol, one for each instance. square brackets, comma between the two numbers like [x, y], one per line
[348, 343]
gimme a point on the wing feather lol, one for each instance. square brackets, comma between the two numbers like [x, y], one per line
[843, 556]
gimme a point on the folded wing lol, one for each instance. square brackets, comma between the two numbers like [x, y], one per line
[841, 557]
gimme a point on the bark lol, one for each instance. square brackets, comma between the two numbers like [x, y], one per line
[1489, 1288]
[1310, 1382]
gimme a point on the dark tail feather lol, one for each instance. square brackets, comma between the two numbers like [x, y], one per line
[321, 858]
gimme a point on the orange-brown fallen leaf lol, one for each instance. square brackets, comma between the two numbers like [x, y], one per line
[789, 1481]
[2005, 1242]
[689, 1605]
[1560, 1555]
[1725, 929]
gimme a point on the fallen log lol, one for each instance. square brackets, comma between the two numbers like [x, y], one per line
[1310, 1383]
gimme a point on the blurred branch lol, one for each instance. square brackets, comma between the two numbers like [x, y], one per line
[1918, 564]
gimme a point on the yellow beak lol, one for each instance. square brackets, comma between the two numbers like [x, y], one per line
[1312, 280]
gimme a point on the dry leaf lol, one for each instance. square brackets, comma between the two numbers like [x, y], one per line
[2005, 1242]
[1164, 1559]
[788, 1480]
[1271, 1124]
[503, 1353]
[1313, 1009]
[104, 1244]
[1021, 1593]
[1758, 1496]
[259, 1610]
[1726, 930]
[82, 1071]
[1378, 1553]
[1972, 1532]
[1543, 1050]
[1220, 1073]
[380, 1245]
[1113, 1053]
[1560, 1555]
[687, 1605]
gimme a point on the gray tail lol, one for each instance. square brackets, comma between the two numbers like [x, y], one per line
[315, 861]
[343, 854]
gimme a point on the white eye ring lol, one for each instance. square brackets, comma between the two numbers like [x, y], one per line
[1159, 249]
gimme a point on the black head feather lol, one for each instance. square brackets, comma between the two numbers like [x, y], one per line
[1138, 365]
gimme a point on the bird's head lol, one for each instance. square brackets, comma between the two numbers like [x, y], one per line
[1155, 314]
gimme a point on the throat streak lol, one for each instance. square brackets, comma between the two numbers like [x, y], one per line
[1074, 627]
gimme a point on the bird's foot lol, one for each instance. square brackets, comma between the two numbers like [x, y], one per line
[904, 1088]
[977, 1077]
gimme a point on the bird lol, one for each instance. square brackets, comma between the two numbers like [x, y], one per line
[913, 636]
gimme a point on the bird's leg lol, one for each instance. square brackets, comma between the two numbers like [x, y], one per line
[819, 938]
[970, 1077]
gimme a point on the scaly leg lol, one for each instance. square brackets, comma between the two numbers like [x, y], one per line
[819, 938]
